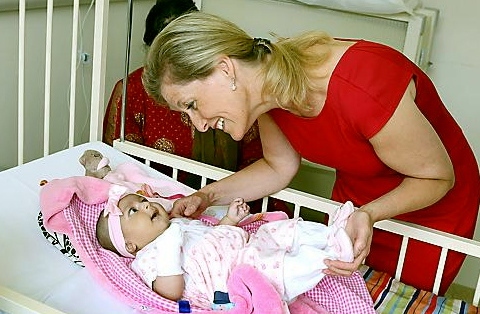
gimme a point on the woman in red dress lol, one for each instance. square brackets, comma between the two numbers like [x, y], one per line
[360, 107]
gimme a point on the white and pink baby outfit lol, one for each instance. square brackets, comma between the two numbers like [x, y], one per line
[290, 253]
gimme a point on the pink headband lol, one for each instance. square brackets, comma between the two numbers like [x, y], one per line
[114, 213]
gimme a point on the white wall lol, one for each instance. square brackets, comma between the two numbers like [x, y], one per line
[455, 61]
[455, 71]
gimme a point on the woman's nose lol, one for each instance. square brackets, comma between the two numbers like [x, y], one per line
[199, 123]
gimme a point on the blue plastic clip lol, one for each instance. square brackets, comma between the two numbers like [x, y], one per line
[184, 306]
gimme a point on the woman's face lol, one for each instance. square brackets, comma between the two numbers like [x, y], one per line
[211, 103]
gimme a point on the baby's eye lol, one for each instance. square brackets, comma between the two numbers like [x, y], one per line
[191, 105]
[132, 211]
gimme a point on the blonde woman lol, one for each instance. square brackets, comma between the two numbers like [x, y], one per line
[360, 107]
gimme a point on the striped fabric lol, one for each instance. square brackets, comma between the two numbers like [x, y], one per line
[391, 296]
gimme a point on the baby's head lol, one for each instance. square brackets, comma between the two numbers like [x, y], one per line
[129, 222]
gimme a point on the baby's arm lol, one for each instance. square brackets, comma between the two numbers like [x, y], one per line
[169, 287]
[237, 210]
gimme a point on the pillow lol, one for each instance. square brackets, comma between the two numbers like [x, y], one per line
[60, 241]
[368, 6]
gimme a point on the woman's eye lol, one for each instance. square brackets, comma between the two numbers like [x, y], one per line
[132, 211]
[191, 105]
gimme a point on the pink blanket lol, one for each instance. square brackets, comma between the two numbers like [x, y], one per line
[72, 206]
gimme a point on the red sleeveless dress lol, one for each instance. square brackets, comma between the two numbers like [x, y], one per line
[364, 91]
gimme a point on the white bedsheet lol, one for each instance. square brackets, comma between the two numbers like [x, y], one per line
[29, 264]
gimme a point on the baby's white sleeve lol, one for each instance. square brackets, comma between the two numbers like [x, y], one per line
[162, 257]
[169, 259]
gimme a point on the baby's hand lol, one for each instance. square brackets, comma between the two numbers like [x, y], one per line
[238, 210]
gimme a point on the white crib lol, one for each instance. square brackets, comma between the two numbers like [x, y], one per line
[44, 288]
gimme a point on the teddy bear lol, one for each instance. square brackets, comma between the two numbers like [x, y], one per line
[95, 164]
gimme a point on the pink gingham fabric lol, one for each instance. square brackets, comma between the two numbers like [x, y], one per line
[335, 294]
[343, 295]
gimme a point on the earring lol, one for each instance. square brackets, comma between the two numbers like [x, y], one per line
[233, 86]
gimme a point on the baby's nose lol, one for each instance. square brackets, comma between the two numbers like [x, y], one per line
[146, 206]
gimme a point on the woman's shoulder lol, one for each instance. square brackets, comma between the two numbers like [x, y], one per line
[374, 55]
[378, 70]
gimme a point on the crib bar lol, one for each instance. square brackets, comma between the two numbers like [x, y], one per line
[203, 182]
[440, 268]
[175, 174]
[264, 204]
[296, 211]
[431, 236]
[21, 80]
[170, 160]
[476, 296]
[401, 258]
[48, 71]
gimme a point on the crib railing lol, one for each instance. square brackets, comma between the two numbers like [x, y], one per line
[301, 199]
[13, 302]
[98, 75]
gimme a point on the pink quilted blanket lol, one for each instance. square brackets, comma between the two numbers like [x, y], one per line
[72, 206]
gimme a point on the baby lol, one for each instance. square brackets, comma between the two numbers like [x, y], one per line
[127, 226]
[184, 258]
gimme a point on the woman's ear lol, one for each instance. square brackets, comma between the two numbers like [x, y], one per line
[131, 247]
[227, 67]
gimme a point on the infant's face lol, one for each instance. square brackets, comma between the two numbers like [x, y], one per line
[142, 221]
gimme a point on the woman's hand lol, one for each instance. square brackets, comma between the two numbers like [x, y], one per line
[360, 229]
[191, 206]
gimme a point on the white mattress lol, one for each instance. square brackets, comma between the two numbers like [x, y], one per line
[29, 264]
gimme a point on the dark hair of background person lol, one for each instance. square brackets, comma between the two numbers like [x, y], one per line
[162, 13]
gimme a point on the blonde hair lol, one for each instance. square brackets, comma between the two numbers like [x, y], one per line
[187, 50]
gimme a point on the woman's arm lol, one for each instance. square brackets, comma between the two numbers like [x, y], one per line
[409, 145]
[169, 287]
[267, 175]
